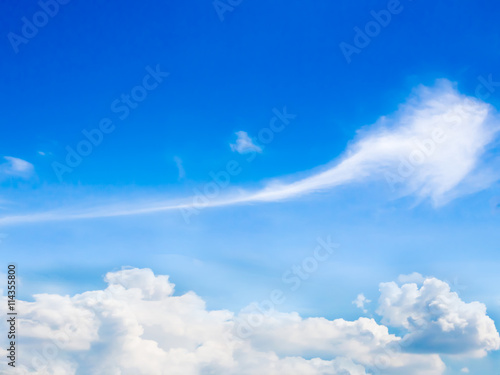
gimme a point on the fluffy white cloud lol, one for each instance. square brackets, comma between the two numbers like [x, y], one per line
[14, 167]
[437, 320]
[244, 144]
[364, 341]
[138, 326]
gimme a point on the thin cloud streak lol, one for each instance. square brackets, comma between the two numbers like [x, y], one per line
[429, 148]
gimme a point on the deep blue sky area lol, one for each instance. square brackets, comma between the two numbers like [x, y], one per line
[225, 76]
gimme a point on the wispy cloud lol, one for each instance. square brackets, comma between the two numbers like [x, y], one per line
[431, 148]
[244, 144]
[180, 167]
[427, 148]
[361, 301]
[15, 167]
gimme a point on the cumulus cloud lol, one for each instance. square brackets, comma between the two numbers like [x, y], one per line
[244, 144]
[15, 167]
[137, 325]
[437, 320]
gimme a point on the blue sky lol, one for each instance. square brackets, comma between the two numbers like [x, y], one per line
[230, 77]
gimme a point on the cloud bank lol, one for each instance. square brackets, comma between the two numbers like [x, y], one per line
[433, 147]
[437, 320]
[138, 326]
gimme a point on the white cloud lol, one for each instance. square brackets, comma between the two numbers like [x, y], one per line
[437, 320]
[244, 144]
[14, 167]
[138, 326]
[465, 369]
[428, 148]
[360, 302]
